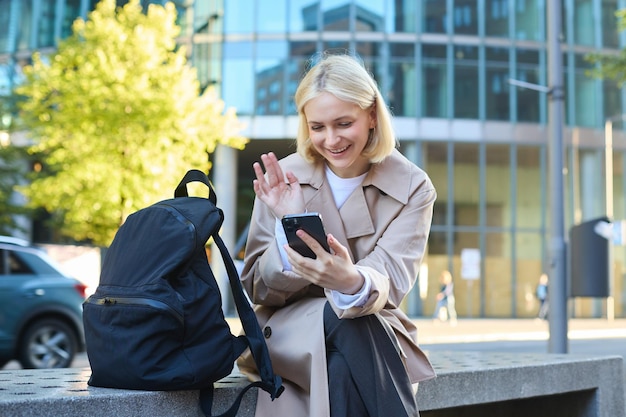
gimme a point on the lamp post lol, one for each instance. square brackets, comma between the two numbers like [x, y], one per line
[556, 246]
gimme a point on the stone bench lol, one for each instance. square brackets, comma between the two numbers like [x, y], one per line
[485, 384]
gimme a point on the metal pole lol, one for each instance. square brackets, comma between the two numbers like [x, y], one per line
[557, 282]
[608, 166]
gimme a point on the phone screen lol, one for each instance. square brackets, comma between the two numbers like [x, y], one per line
[310, 223]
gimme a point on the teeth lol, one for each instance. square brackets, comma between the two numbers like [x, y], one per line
[337, 150]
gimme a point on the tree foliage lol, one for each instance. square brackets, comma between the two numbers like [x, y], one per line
[611, 66]
[117, 119]
[13, 168]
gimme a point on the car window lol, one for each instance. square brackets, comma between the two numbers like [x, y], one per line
[17, 266]
[34, 263]
[2, 262]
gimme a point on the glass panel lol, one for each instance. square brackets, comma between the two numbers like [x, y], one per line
[612, 98]
[528, 101]
[465, 17]
[272, 19]
[401, 16]
[336, 15]
[610, 32]
[4, 25]
[370, 16]
[434, 93]
[587, 101]
[435, 16]
[303, 15]
[6, 82]
[466, 184]
[239, 16]
[45, 23]
[466, 82]
[402, 96]
[200, 60]
[70, 13]
[528, 188]
[528, 256]
[207, 19]
[270, 72]
[498, 87]
[527, 19]
[497, 18]
[24, 27]
[300, 54]
[498, 186]
[498, 285]
[467, 291]
[436, 165]
[238, 78]
[337, 47]
[583, 22]
[368, 49]
[184, 14]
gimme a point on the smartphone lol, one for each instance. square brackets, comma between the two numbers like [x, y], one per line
[310, 223]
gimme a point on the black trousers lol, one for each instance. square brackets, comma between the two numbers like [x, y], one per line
[366, 377]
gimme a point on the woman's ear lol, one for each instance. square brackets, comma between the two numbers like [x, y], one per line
[373, 120]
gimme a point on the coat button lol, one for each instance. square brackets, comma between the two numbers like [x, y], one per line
[267, 332]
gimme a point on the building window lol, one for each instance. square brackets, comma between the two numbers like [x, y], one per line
[497, 18]
[610, 31]
[583, 22]
[466, 89]
[465, 17]
[434, 92]
[528, 18]
[528, 100]
[498, 88]
[435, 16]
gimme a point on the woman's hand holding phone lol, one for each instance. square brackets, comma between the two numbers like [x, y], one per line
[330, 266]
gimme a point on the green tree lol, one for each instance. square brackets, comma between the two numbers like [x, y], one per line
[116, 118]
[13, 168]
[610, 66]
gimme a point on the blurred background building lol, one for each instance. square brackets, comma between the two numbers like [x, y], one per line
[444, 67]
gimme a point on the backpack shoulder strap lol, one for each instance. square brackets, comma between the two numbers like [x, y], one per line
[269, 381]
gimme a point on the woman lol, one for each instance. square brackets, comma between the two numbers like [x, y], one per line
[445, 298]
[377, 210]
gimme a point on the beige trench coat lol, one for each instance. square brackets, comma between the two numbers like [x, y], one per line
[385, 226]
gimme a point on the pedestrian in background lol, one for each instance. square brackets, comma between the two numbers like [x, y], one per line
[445, 298]
[542, 295]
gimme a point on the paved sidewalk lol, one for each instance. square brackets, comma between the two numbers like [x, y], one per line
[488, 330]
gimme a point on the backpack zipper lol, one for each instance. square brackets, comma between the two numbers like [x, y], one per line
[159, 305]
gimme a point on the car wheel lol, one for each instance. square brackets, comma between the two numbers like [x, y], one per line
[47, 343]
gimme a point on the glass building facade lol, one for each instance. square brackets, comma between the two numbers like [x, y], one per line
[444, 67]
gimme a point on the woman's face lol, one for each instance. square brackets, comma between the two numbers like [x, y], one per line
[339, 131]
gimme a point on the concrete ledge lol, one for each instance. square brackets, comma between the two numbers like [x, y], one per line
[469, 383]
[491, 384]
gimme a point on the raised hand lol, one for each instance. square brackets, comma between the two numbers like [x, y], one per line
[280, 196]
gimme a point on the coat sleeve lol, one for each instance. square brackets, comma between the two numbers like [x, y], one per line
[394, 262]
[263, 277]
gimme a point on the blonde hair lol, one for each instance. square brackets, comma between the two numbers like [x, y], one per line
[347, 79]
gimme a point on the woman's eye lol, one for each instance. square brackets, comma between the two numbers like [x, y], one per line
[316, 128]
[345, 124]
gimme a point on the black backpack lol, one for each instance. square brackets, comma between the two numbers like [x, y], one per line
[155, 322]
